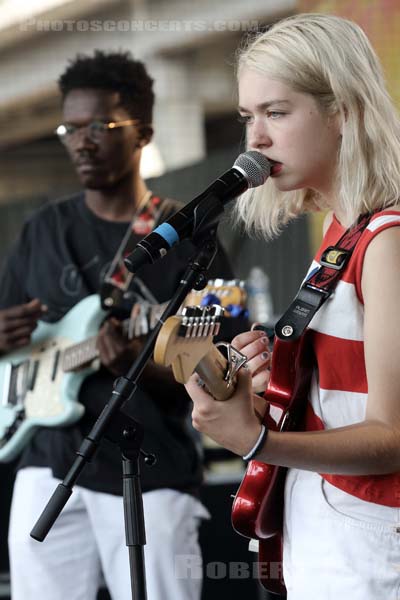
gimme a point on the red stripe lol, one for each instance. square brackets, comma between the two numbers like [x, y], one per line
[381, 489]
[341, 364]
[353, 271]
[311, 421]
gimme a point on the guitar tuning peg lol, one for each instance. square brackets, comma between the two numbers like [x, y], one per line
[218, 311]
[201, 321]
[188, 314]
[188, 311]
[206, 321]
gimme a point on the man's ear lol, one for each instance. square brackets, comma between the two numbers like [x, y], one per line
[145, 135]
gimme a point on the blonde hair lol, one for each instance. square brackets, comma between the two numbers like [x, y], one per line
[331, 59]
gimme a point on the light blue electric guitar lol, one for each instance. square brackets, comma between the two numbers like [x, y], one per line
[39, 384]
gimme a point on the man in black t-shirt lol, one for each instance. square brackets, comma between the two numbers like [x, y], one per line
[61, 257]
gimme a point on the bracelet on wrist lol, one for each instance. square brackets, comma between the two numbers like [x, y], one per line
[258, 445]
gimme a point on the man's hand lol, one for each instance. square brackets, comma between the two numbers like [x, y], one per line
[17, 324]
[117, 353]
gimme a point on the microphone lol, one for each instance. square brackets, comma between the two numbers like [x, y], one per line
[250, 169]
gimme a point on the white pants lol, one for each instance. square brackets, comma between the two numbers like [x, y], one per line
[88, 541]
[338, 547]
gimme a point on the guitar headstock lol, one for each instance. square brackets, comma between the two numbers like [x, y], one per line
[183, 341]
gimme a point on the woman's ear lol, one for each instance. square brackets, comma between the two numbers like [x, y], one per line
[338, 119]
[343, 116]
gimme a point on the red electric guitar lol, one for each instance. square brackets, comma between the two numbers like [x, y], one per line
[257, 510]
[187, 345]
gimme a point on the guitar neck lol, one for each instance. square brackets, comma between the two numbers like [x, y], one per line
[81, 354]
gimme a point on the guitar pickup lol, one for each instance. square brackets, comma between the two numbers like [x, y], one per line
[5, 401]
[16, 383]
[33, 371]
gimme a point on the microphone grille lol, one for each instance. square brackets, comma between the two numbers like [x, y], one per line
[255, 166]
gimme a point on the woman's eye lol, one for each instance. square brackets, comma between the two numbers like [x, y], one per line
[274, 114]
[244, 119]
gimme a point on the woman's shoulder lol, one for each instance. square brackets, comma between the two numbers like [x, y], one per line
[385, 217]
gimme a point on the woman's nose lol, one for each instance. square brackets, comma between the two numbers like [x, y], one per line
[258, 136]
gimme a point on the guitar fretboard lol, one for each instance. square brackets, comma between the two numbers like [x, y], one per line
[85, 352]
[80, 354]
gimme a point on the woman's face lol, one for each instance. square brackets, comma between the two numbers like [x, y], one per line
[289, 128]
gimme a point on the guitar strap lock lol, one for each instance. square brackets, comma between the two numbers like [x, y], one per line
[299, 314]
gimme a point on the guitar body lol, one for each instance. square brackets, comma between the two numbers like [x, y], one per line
[35, 389]
[257, 511]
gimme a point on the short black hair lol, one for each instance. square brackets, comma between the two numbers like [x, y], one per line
[114, 72]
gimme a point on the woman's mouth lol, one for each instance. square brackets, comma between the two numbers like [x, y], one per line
[276, 167]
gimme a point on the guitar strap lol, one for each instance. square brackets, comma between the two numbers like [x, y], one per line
[118, 279]
[320, 284]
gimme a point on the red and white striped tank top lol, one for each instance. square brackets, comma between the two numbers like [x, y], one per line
[339, 390]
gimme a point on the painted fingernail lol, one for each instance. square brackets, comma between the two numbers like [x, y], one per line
[200, 383]
[265, 355]
[265, 341]
[258, 327]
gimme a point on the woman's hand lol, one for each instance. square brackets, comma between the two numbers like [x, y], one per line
[255, 345]
[232, 424]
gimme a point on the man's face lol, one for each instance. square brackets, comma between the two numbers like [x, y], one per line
[103, 163]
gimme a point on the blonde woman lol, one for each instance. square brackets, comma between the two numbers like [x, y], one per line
[313, 100]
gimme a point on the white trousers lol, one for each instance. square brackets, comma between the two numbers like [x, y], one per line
[338, 547]
[87, 542]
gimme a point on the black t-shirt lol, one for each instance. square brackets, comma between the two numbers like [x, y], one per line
[61, 257]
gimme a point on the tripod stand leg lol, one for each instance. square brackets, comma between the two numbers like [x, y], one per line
[134, 526]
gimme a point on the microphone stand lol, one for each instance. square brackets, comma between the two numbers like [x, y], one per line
[126, 432]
